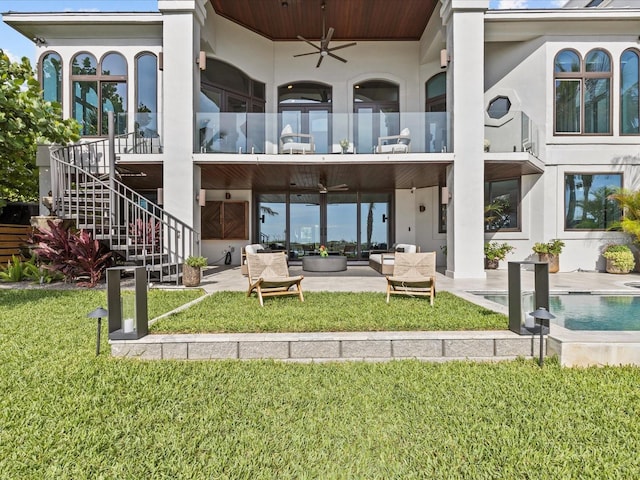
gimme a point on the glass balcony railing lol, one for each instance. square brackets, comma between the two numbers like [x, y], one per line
[143, 138]
[319, 132]
[514, 132]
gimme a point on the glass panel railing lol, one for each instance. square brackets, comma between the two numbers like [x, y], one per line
[143, 138]
[515, 132]
[363, 133]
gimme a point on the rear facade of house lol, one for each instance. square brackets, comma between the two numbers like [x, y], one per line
[446, 125]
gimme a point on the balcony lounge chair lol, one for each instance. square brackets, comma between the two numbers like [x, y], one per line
[291, 142]
[395, 143]
[414, 274]
[269, 276]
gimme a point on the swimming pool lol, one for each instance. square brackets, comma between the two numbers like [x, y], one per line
[586, 311]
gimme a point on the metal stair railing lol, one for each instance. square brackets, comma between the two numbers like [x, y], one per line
[137, 229]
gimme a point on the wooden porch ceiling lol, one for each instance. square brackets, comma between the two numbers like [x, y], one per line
[352, 19]
[276, 176]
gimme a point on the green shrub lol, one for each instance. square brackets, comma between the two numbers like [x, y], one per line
[196, 261]
[14, 271]
[496, 251]
[552, 247]
[620, 256]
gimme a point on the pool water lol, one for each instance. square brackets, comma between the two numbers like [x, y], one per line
[586, 311]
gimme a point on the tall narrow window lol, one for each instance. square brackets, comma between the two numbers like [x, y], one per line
[377, 109]
[97, 91]
[582, 92]
[146, 120]
[51, 77]
[436, 108]
[306, 108]
[502, 205]
[629, 106]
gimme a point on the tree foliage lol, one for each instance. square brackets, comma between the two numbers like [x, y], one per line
[26, 119]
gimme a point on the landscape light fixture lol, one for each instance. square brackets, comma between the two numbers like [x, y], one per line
[542, 314]
[98, 313]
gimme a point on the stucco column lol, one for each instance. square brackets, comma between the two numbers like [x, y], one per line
[182, 20]
[464, 21]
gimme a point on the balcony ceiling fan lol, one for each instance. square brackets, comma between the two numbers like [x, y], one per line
[323, 49]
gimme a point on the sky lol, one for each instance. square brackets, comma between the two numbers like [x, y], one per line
[17, 46]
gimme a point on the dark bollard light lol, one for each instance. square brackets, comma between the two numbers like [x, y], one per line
[98, 313]
[542, 314]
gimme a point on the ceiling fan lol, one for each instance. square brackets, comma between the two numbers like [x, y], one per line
[322, 188]
[323, 49]
[334, 188]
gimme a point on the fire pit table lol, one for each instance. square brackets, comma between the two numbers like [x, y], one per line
[331, 263]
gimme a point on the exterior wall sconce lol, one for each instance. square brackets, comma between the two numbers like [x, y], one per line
[227, 196]
[202, 60]
[201, 197]
[422, 208]
[444, 58]
[160, 196]
[445, 196]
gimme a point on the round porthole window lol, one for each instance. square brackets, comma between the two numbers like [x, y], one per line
[499, 107]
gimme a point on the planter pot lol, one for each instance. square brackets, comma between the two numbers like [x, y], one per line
[491, 264]
[611, 268]
[190, 276]
[552, 260]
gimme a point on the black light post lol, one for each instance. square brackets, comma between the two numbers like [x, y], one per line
[98, 313]
[542, 314]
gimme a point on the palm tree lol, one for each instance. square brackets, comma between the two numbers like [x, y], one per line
[629, 201]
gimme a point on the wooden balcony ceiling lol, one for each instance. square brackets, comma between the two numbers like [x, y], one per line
[352, 19]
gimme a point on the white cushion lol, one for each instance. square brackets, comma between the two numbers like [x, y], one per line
[405, 133]
[406, 247]
[287, 130]
[382, 258]
[253, 248]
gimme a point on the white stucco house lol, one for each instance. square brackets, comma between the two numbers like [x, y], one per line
[428, 122]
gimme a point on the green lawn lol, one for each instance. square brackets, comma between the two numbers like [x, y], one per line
[330, 312]
[67, 414]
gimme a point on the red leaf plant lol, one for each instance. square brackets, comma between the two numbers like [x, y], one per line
[73, 253]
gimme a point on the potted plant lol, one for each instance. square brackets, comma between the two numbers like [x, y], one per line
[629, 201]
[619, 258]
[344, 145]
[550, 252]
[191, 270]
[494, 252]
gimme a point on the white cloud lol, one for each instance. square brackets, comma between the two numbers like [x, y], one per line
[11, 56]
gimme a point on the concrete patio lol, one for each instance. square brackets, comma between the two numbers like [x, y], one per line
[574, 348]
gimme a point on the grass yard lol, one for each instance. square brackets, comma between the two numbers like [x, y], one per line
[330, 312]
[67, 414]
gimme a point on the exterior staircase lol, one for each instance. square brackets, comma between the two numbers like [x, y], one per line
[87, 191]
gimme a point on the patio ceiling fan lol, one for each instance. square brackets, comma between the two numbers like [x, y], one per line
[333, 188]
[323, 49]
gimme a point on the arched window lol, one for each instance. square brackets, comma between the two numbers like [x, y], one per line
[583, 92]
[95, 94]
[51, 77]
[377, 106]
[228, 100]
[306, 107]
[436, 107]
[629, 106]
[146, 90]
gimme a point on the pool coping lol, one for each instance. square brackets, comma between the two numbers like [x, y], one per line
[582, 348]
